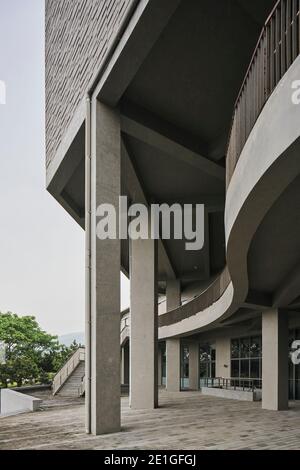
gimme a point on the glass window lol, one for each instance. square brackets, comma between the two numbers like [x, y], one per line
[245, 347]
[213, 370]
[203, 371]
[254, 369]
[246, 354]
[213, 354]
[207, 363]
[255, 347]
[244, 369]
[235, 368]
[294, 369]
[185, 367]
[235, 348]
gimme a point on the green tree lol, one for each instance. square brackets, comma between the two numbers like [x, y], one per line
[32, 355]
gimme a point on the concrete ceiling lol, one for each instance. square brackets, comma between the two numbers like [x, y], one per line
[186, 87]
[274, 255]
[192, 75]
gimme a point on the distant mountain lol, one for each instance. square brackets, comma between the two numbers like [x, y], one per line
[68, 339]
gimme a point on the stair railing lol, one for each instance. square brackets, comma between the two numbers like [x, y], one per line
[64, 373]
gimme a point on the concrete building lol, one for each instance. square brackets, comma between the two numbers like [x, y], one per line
[182, 102]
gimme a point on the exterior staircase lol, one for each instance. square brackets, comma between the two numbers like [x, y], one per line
[68, 381]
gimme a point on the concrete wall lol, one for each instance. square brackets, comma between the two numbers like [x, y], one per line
[12, 402]
[78, 36]
[232, 394]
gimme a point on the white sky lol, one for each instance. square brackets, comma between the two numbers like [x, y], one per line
[41, 247]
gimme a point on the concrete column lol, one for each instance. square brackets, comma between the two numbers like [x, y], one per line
[159, 366]
[125, 364]
[105, 274]
[144, 324]
[194, 366]
[173, 365]
[223, 358]
[274, 360]
[173, 294]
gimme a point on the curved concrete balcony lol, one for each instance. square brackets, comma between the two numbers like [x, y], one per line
[262, 163]
[208, 307]
[263, 166]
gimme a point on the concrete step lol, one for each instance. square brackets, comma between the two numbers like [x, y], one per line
[72, 385]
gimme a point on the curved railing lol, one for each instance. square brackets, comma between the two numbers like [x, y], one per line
[204, 300]
[277, 48]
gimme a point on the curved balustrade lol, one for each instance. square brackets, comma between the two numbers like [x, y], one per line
[277, 48]
[211, 295]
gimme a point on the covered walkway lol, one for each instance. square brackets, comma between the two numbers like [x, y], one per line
[185, 420]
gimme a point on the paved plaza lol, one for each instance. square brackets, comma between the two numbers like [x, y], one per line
[184, 420]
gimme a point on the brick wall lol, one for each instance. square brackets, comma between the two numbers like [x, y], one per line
[78, 33]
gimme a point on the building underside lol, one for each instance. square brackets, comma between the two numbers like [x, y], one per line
[189, 103]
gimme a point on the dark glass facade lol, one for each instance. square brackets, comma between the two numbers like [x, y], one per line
[246, 360]
[294, 369]
[163, 364]
[207, 363]
[184, 367]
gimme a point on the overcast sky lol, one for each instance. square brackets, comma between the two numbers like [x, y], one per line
[41, 247]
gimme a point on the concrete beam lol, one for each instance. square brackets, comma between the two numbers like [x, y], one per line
[133, 188]
[212, 203]
[167, 145]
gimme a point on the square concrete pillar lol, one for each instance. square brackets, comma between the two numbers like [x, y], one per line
[275, 360]
[223, 357]
[144, 324]
[173, 365]
[159, 366]
[125, 364]
[193, 366]
[173, 294]
[105, 274]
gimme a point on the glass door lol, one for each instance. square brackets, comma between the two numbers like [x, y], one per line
[207, 364]
[184, 367]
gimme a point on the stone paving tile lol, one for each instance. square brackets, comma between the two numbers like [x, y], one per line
[184, 420]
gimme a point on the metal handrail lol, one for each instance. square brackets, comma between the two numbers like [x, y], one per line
[244, 384]
[277, 48]
[199, 303]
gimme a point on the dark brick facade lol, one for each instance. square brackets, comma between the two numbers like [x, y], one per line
[78, 34]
